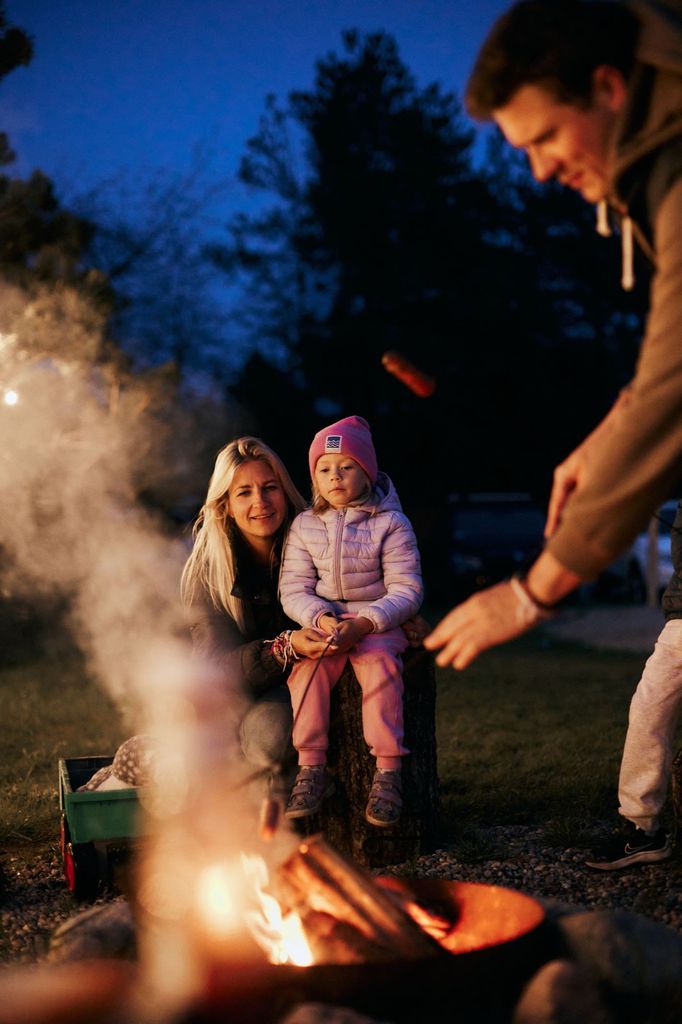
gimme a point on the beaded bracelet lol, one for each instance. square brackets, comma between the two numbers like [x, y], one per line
[282, 648]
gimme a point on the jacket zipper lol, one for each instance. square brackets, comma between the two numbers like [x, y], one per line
[337, 553]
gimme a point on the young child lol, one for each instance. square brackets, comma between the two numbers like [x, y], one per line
[351, 569]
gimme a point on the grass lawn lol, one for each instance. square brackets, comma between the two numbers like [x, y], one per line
[50, 709]
[531, 733]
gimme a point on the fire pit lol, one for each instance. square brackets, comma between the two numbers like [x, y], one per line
[490, 940]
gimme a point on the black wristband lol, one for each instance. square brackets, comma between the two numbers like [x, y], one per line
[542, 605]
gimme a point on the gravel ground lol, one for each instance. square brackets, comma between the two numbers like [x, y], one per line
[522, 860]
[35, 899]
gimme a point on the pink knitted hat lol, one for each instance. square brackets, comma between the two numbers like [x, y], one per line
[350, 436]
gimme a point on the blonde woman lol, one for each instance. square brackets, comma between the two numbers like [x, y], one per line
[229, 588]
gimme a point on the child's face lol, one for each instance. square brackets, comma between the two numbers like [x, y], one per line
[339, 479]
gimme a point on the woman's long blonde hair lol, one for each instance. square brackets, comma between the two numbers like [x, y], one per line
[211, 567]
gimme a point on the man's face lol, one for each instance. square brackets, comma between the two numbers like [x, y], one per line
[564, 141]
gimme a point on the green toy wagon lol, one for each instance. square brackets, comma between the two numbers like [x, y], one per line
[97, 828]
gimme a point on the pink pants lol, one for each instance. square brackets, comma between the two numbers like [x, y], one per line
[377, 665]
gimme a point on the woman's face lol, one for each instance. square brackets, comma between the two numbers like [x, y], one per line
[257, 504]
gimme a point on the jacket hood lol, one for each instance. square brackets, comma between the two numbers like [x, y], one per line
[384, 497]
[653, 110]
[660, 37]
[387, 494]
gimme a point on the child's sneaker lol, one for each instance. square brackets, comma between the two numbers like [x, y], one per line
[631, 845]
[385, 798]
[312, 787]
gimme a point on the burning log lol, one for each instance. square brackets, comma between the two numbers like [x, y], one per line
[320, 883]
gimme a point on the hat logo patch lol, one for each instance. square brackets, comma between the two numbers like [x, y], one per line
[332, 442]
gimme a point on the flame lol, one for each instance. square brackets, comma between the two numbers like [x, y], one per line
[281, 936]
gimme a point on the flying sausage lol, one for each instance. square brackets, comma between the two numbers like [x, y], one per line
[416, 380]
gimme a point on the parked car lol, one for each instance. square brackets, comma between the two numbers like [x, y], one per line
[493, 536]
[639, 552]
[626, 579]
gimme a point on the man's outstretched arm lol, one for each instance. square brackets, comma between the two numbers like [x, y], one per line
[500, 613]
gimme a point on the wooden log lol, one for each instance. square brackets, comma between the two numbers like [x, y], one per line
[342, 818]
[336, 942]
[319, 878]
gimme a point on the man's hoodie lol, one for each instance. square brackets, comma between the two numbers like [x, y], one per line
[638, 461]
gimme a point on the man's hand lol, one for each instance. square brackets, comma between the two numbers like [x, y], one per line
[570, 474]
[490, 617]
[501, 613]
[566, 479]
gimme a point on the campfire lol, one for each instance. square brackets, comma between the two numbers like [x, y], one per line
[242, 921]
[333, 933]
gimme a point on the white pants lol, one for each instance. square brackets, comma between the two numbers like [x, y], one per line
[648, 752]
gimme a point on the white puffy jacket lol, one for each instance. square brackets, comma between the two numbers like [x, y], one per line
[361, 558]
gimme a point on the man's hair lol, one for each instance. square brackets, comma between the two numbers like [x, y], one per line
[553, 43]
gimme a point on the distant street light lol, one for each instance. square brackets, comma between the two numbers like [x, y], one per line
[10, 397]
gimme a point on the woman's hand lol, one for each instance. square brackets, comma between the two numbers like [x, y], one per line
[310, 643]
[415, 629]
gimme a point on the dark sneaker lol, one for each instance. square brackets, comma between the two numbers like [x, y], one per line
[385, 798]
[631, 845]
[312, 787]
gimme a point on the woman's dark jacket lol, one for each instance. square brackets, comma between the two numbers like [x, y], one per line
[216, 636]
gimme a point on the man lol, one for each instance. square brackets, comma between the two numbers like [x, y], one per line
[593, 93]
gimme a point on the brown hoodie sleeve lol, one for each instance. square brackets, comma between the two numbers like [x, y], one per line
[639, 460]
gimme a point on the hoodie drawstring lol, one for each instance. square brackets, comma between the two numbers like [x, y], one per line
[603, 226]
[627, 279]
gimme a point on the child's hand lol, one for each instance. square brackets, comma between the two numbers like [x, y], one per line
[349, 631]
[328, 623]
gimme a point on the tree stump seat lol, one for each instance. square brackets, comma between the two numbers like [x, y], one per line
[342, 817]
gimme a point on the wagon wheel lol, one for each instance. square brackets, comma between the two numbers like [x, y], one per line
[81, 868]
